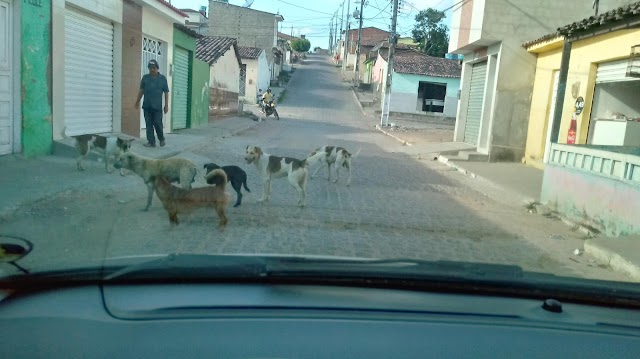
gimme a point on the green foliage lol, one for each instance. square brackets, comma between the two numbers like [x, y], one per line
[301, 45]
[431, 33]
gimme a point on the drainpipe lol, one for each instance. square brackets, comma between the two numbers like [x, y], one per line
[562, 87]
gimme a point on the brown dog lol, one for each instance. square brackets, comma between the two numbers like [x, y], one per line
[179, 200]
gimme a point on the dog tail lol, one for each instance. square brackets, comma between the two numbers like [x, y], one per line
[244, 183]
[357, 153]
[217, 177]
[63, 133]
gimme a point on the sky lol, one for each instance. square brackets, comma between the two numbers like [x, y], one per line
[313, 18]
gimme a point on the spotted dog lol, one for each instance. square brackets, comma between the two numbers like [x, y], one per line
[333, 155]
[271, 167]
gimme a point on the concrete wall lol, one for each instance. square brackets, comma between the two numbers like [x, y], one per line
[257, 77]
[585, 55]
[547, 64]
[225, 73]
[608, 203]
[200, 94]
[107, 9]
[379, 74]
[36, 78]
[505, 25]
[251, 27]
[224, 83]
[404, 89]
[186, 42]
[131, 65]
[159, 27]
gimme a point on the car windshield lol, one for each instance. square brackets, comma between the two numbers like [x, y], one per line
[480, 132]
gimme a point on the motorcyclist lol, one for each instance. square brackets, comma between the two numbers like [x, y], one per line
[267, 98]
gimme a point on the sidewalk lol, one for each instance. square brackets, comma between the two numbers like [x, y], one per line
[21, 183]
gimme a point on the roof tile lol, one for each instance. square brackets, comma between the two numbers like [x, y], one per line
[210, 48]
[249, 52]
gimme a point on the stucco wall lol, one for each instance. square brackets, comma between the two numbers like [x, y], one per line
[107, 10]
[131, 65]
[258, 74]
[251, 27]
[200, 94]
[547, 63]
[35, 83]
[225, 73]
[585, 55]
[404, 89]
[609, 203]
[379, 74]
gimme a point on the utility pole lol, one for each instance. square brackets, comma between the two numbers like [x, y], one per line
[331, 33]
[357, 67]
[346, 38]
[341, 25]
[384, 119]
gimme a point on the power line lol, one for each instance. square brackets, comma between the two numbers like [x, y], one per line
[294, 5]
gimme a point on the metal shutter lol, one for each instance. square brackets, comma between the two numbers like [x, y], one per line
[180, 88]
[474, 105]
[88, 74]
[6, 79]
[614, 71]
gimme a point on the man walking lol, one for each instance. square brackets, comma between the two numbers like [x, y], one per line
[152, 86]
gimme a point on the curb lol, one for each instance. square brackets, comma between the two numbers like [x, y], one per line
[615, 260]
[405, 143]
[358, 102]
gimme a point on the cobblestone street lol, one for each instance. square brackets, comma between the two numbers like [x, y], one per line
[396, 206]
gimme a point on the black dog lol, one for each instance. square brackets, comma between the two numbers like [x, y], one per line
[236, 175]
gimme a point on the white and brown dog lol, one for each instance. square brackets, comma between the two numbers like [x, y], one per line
[271, 167]
[333, 155]
[107, 146]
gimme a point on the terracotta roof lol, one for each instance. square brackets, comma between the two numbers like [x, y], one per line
[210, 48]
[284, 36]
[175, 9]
[249, 52]
[187, 30]
[370, 36]
[592, 22]
[414, 62]
[609, 17]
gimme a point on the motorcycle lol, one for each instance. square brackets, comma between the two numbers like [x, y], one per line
[270, 109]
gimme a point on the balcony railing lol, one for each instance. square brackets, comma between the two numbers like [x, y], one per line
[618, 163]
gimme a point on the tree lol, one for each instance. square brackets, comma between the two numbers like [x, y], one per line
[301, 45]
[431, 33]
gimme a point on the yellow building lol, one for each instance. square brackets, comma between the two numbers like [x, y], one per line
[601, 52]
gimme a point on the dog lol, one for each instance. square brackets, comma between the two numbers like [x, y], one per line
[271, 167]
[236, 175]
[108, 146]
[333, 155]
[177, 200]
[174, 169]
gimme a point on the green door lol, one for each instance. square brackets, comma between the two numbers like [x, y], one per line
[180, 88]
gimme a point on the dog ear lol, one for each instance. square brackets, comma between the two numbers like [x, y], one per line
[259, 150]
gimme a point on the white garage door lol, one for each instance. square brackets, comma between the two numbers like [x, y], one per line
[475, 102]
[6, 83]
[88, 74]
[180, 88]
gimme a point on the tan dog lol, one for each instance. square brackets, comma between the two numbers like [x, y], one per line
[177, 200]
[173, 169]
[107, 146]
[333, 155]
[271, 167]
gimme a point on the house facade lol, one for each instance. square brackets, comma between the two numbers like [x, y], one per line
[197, 20]
[184, 51]
[421, 84]
[223, 58]
[370, 37]
[584, 125]
[256, 72]
[252, 28]
[498, 74]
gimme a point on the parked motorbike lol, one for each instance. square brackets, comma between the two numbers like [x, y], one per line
[270, 109]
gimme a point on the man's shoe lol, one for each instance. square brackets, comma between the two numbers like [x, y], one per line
[162, 143]
[149, 144]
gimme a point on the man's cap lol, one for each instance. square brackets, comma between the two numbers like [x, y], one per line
[153, 63]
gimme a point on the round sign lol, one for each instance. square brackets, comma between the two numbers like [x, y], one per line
[579, 105]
